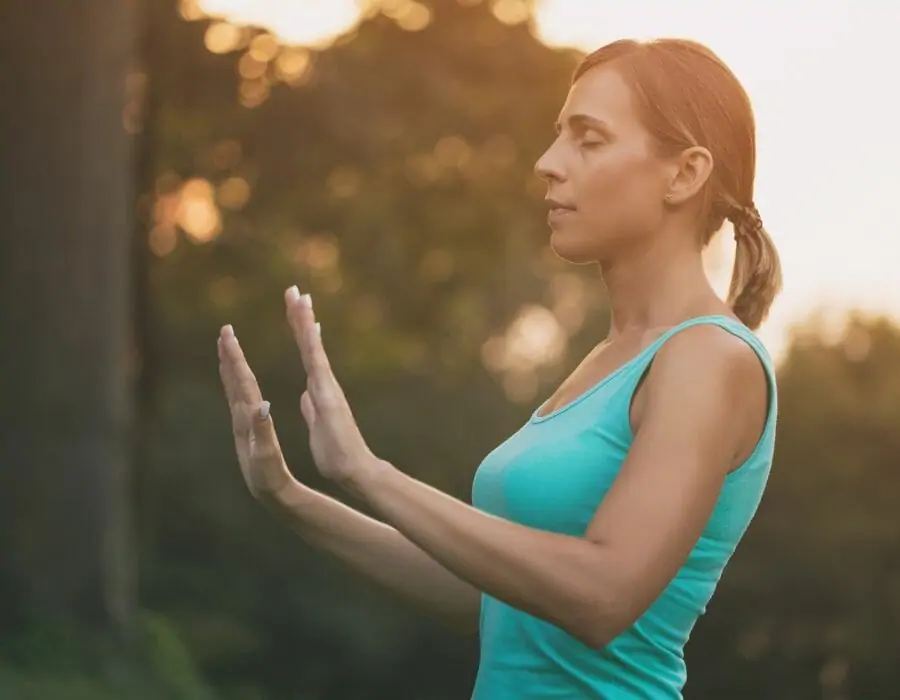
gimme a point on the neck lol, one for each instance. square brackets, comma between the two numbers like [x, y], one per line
[657, 286]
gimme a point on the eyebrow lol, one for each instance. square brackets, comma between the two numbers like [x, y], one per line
[584, 121]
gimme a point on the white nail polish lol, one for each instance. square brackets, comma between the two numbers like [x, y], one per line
[306, 300]
[264, 410]
[319, 329]
[294, 293]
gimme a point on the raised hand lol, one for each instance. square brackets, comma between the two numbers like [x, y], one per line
[259, 454]
[338, 448]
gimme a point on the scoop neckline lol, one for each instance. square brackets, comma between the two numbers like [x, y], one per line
[535, 418]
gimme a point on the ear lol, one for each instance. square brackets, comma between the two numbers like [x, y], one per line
[691, 170]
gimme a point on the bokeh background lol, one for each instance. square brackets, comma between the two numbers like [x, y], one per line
[170, 166]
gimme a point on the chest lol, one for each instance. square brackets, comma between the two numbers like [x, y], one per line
[553, 475]
[604, 364]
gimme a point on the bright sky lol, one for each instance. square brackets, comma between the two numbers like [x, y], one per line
[828, 122]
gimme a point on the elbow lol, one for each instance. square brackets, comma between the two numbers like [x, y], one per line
[597, 622]
[593, 636]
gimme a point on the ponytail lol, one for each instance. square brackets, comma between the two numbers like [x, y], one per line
[756, 279]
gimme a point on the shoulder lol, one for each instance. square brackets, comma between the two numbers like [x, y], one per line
[709, 381]
[707, 355]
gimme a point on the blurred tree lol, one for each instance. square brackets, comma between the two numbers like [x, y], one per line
[65, 360]
[809, 607]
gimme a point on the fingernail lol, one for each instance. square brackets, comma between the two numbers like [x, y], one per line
[319, 329]
[229, 331]
[294, 293]
[264, 410]
[306, 300]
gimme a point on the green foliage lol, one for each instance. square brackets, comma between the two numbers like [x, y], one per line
[395, 186]
[57, 662]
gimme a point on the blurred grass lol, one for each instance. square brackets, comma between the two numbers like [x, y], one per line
[57, 663]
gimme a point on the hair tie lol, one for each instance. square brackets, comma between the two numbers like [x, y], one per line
[746, 221]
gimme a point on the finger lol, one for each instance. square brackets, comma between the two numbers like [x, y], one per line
[307, 334]
[246, 387]
[225, 374]
[265, 439]
[299, 313]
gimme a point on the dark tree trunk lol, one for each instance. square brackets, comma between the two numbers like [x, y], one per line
[66, 200]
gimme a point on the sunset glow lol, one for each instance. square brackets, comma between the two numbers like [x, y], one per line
[826, 169]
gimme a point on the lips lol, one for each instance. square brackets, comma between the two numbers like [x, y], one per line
[557, 206]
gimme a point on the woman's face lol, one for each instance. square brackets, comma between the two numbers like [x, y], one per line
[605, 182]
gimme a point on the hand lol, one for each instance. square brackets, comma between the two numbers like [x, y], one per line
[337, 446]
[259, 454]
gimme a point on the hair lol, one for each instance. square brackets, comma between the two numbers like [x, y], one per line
[686, 97]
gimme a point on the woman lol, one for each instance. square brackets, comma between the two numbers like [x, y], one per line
[599, 530]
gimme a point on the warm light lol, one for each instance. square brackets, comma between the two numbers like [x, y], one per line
[264, 47]
[222, 37]
[521, 387]
[319, 252]
[511, 11]
[254, 92]
[190, 10]
[198, 216]
[234, 193]
[571, 300]
[534, 338]
[292, 65]
[452, 152]
[412, 16]
[250, 68]
[162, 240]
[313, 23]
[812, 213]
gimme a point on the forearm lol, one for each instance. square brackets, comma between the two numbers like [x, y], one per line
[551, 576]
[380, 554]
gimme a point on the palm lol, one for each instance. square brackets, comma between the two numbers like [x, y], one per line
[335, 441]
[334, 438]
[259, 454]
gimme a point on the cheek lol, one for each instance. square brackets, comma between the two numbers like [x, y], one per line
[620, 183]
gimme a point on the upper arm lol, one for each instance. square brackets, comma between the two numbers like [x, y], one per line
[705, 402]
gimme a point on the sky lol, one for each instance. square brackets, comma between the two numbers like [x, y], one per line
[828, 123]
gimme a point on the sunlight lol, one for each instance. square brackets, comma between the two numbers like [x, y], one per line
[310, 23]
[789, 58]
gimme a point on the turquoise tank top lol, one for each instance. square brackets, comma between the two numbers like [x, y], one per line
[551, 475]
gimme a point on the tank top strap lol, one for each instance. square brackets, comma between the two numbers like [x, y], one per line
[639, 368]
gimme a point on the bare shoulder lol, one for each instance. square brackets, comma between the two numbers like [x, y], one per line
[709, 379]
[707, 355]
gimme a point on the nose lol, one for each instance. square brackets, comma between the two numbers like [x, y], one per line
[548, 166]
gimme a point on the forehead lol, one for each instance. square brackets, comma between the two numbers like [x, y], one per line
[603, 94]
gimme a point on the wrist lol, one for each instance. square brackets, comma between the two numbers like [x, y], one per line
[287, 498]
[365, 481]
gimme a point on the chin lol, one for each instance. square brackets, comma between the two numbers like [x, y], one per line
[572, 250]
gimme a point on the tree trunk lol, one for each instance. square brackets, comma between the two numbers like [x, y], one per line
[66, 199]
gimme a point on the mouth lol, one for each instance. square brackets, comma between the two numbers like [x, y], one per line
[558, 209]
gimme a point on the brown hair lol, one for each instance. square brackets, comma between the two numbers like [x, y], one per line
[688, 97]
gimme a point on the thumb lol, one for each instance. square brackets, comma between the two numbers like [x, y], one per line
[265, 439]
[308, 409]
